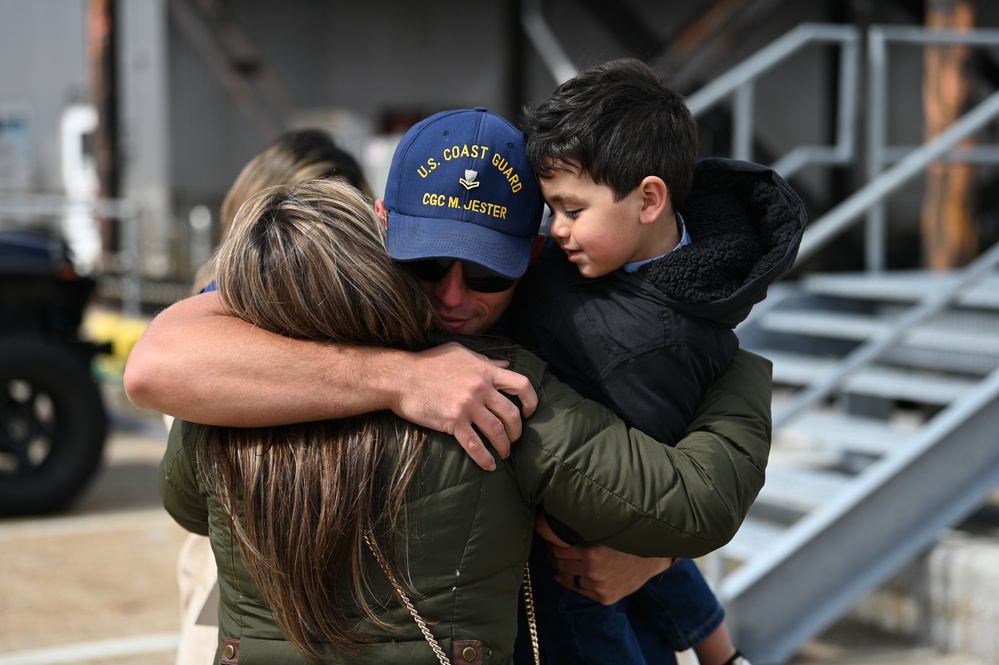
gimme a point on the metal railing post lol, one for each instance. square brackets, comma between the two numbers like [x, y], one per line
[740, 82]
[742, 122]
[877, 60]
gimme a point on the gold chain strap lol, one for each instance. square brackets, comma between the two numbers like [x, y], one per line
[441, 656]
[409, 606]
[529, 610]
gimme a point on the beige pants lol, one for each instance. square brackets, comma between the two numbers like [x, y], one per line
[197, 579]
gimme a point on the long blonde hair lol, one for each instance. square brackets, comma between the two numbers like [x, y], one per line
[309, 262]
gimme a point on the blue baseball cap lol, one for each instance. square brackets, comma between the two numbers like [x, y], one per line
[460, 187]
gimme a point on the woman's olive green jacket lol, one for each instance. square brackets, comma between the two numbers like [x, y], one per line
[469, 530]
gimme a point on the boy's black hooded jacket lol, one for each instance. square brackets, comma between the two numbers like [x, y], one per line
[647, 344]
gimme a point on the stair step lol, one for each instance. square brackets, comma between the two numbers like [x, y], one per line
[902, 286]
[799, 488]
[943, 360]
[854, 327]
[791, 488]
[937, 334]
[752, 538]
[799, 369]
[846, 433]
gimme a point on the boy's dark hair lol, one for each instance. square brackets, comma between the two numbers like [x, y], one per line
[618, 122]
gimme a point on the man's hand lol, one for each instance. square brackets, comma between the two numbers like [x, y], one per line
[598, 572]
[454, 390]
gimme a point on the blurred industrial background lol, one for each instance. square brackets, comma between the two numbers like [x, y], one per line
[123, 123]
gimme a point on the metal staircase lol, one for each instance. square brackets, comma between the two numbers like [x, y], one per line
[886, 405]
[886, 420]
[886, 389]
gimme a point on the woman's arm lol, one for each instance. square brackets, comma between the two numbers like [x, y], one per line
[196, 363]
[606, 575]
[179, 488]
[619, 487]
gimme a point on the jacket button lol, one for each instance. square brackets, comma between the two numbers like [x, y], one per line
[229, 651]
[469, 654]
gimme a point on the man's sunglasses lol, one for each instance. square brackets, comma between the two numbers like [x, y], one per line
[476, 277]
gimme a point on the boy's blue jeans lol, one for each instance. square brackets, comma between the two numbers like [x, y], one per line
[672, 612]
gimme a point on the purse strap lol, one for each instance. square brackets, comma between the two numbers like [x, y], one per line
[409, 605]
[532, 624]
[441, 656]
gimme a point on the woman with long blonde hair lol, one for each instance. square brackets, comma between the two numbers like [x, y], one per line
[295, 156]
[364, 539]
[310, 263]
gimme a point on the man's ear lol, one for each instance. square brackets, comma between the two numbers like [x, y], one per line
[536, 247]
[655, 198]
[382, 212]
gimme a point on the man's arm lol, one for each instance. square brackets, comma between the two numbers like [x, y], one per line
[196, 363]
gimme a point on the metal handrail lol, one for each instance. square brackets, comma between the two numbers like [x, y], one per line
[820, 232]
[839, 218]
[741, 80]
[18, 204]
[933, 302]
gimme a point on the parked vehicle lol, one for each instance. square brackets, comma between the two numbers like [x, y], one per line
[53, 423]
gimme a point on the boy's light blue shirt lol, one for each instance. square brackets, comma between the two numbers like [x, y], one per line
[684, 240]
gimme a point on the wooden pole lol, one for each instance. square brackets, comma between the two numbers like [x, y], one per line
[102, 57]
[949, 233]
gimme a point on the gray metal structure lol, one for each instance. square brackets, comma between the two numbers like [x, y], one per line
[910, 483]
[740, 82]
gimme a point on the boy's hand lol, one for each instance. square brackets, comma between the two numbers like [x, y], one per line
[598, 572]
[453, 390]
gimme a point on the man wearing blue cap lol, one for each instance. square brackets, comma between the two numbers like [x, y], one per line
[463, 207]
[463, 210]
[198, 364]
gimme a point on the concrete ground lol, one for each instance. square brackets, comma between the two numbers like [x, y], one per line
[97, 584]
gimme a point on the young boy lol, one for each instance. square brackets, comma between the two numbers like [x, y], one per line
[634, 305]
